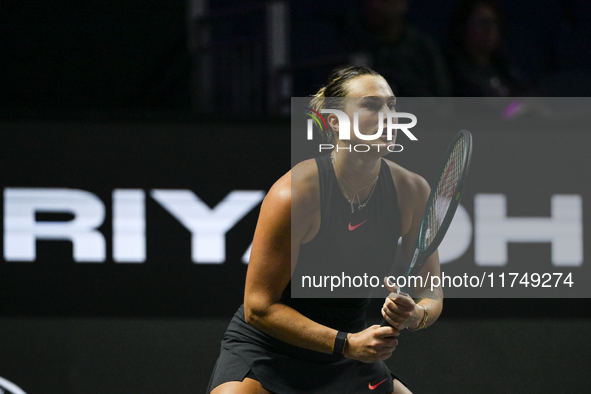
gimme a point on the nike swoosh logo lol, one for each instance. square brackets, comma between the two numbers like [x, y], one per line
[351, 228]
[374, 387]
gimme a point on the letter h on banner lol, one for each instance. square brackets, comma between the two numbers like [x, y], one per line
[494, 230]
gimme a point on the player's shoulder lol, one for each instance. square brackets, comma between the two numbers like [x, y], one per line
[305, 173]
[408, 181]
[298, 187]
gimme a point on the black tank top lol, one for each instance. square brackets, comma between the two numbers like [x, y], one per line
[350, 244]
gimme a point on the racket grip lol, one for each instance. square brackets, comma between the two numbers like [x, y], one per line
[402, 293]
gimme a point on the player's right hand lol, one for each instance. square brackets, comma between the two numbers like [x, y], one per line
[373, 344]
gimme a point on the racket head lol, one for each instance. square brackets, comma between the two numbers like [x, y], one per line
[445, 196]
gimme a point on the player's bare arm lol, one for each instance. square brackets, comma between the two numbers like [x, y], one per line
[296, 200]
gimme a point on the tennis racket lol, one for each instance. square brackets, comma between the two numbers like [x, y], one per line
[446, 192]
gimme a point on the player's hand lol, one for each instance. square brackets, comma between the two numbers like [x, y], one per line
[373, 344]
[400, 310]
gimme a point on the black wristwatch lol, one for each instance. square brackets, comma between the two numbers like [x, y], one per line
[339, 343]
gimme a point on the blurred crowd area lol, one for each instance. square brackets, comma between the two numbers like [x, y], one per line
[464, 48]
[248, 57]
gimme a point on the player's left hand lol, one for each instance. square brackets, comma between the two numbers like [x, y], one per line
[400, 310]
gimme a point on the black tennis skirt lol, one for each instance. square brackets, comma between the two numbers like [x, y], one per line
[284, 369]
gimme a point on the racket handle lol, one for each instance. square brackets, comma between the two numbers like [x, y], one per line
[402, 293]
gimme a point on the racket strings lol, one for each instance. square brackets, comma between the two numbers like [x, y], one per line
[444, 193]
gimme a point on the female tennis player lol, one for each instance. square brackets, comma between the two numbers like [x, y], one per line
[279, 344]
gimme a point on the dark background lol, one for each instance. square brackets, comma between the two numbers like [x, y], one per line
[138, 56]
[101, 95]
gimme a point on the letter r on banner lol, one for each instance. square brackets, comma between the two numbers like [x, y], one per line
[21, 230]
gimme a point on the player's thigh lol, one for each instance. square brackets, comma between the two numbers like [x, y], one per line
[399, 388]
[247, 386]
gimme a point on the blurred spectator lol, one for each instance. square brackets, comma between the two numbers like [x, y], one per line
[564, 37]
[408, 58]
[476, 57]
